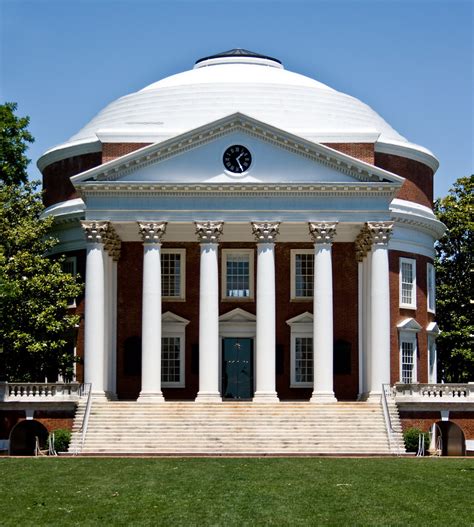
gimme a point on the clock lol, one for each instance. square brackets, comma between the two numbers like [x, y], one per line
[237, 159]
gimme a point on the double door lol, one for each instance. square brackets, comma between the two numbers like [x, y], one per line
[237, 368]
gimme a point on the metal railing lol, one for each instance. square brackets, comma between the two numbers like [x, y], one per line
[87, 390]
[391, 433]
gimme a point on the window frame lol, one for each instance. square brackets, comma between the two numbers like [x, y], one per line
[412, 263]
[174, 326]
[73, 260]
[409, 337]
[251, 254]
[301, 327]
[293, 254]
[430, 288]
[182, 278]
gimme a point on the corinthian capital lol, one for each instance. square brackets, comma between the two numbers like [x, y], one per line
[152, 232]
[265, 232]
[209, 231]
[363, 243]
[95, 231]
[380, 232]
[322, 232]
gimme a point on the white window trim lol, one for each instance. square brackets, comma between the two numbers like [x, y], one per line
[430, 292]
[433, 331]
[301, 327]
[175, 326]
[293, 253]
[73, 260]
[407, 332]
[412, 262]
[224, 254]
[182, 278]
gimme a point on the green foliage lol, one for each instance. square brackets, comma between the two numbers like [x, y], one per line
[13, 138]
[411, 438]
[454, 282]
[36, 327]
[62, 438]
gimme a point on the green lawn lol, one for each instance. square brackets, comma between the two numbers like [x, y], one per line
[267, 491]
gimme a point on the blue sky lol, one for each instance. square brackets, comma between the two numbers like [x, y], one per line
[410, 60]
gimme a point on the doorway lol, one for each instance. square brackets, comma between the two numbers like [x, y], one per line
[23, 438]
[453, 442]
[237, 368]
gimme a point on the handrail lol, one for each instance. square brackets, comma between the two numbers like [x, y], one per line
[388, 419]
[85, 388]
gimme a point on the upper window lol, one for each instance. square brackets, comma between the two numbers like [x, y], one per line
[237, 274]
[431, 287]
[302, 274]
[407, 283]
[173, 268]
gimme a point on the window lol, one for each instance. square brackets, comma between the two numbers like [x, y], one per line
[237, 274]
[173, 269]
[431, 285]
[407, 283]
[69, 266]
[301, 350]
[433, 331]
[170, 360]
[172, 350]
[302, 274]
[407, 362]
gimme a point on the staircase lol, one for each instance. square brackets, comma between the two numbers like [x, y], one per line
[229, 428]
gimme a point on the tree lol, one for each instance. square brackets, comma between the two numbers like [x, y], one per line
[36, 325]
[454, 280]
[14, 137]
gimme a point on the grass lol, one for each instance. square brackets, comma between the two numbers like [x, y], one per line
[236, 492]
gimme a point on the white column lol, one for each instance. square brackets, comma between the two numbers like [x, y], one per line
[379, 309]
[113, 368]
[95, 303]
[323, 331]
[108, 322]
[265, 234]
[208, 235]
[152, 234]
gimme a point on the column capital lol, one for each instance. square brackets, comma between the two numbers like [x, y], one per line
[209, 231]
[112, 243]
[265, 232]
[363, 243]
[95, 231]
[152, 232]
[380, 232]
[323, 233]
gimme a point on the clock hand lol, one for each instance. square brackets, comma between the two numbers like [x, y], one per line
[241, 168]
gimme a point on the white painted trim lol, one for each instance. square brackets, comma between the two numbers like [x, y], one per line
[293, 254]
[409, 151]
[360, 324]
[409, 324]
[173, 325]
[250, 253]
[238, 323]
[430, 291]
[65, 208]
[73, 260]
[182, 278]
[408, 337]
[301, 327]
[67, 150]
[411, 262]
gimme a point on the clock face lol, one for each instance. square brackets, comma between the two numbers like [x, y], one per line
[237, 159]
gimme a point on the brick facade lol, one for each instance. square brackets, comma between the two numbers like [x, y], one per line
[424, 419]
[111, 151]
[363, 151]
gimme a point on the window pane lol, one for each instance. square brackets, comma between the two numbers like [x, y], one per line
[407, 362]
[237, 275]
[170, 359]
[304, 359]
[431, 288]
[407, 283]
[171, 274]
[304, 275]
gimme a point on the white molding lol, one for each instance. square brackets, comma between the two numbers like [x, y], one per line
[410, 151]
[433, 329]
[182, 279]
[67, 150]
[69, 207]
[409, 324]
[250, 253]
[173, 325]
[301, 327]
[430, 291]
[412, 263]
[293, 253]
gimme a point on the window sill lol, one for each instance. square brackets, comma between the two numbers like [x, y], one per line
[301, 385]
[173, 385]
[406, 306]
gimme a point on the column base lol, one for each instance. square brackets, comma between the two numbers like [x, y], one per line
[111, 396]
[208, 397]
[265, 397]
[99, 396]
[323, 397]
[151, 397]
[373, 397]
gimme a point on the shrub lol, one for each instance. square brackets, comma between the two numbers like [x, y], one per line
[411, 439]
[62, 438]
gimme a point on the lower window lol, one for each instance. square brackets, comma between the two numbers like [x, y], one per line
[303, 361]
[171, 362]
[408, 362]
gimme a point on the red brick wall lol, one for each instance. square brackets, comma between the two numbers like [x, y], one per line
[51, 419]
[130, 269]
[424, 420]
[362, 151]
[420, 314]
[56, 183]
[111, 151]
[418, 186]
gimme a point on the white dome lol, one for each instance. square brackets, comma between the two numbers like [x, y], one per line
[235, 82]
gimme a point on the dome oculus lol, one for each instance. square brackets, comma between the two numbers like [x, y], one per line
[237, 159]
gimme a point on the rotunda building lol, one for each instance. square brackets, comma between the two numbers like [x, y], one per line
[246, 233]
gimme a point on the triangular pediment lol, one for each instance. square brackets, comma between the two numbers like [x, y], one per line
[304, 318]
[409, 324]
[172, 318]
[433, 329]
[238, 315]
[196, 157]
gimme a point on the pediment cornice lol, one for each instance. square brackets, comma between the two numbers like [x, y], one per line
[116, 169]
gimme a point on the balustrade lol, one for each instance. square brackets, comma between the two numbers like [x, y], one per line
[26, 391]
[438, 392]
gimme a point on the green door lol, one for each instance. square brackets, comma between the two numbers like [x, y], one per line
[237, 369]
